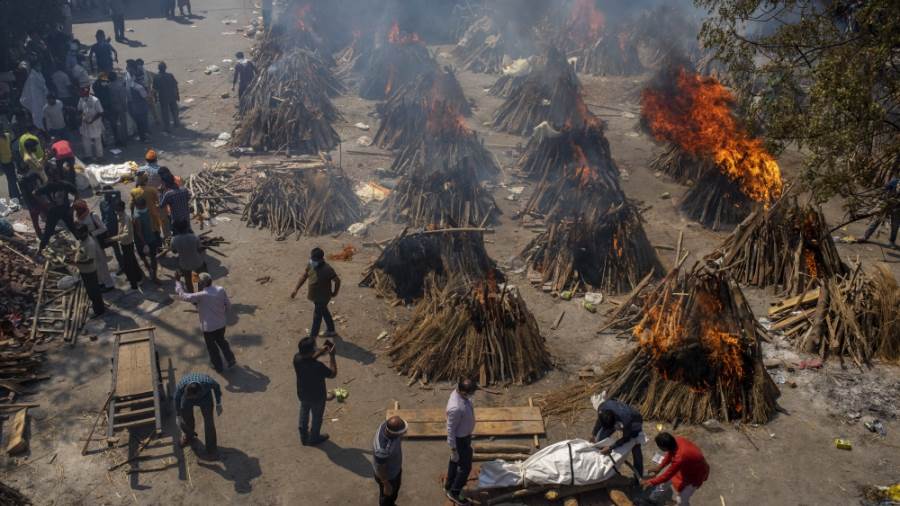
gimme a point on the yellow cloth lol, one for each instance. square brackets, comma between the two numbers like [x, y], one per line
[25, 138]
[151, 196]
[5, 149]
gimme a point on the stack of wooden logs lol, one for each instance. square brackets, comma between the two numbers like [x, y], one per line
[553, 152]
[409, 259]
[289, 108]
[853, 316]
[445, 149]
[310, 201]
[392, 65]
[507, 83]
[788, 246]
[716, 202]
[680, 165]
[20, 277]
[481, 48]
[478, 330]
[12, 497]
[217, 190]
[406, 113]
[698, 357]
[610, 55]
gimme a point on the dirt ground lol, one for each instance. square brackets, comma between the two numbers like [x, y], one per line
[790, 461]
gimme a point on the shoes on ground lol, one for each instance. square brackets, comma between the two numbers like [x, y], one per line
[458, 499]
[315, 442]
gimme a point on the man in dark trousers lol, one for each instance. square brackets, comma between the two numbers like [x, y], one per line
[86, 262]
[324, 284]
[311, 375]
[167, 92]
[57, 191]
[212, 305]
[891, 212]
[197, 390]
[685, 465]
[388, 461]
[244, 72]
[613, 415]
[460, 425]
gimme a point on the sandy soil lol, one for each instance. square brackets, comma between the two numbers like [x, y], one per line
[791, 460]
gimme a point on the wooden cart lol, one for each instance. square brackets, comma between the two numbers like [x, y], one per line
[137, 393]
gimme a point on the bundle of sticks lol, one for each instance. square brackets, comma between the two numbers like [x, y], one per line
[680, 165]
[507, 83]
[303, 202]
[216, 191]
[481, 48]
[788, 245]
[716, 202]
[392, 65]
[411, 257]
[354, 56]
[550, 93]
[12, 497]
[610, 55]
[447, 145]
[698, 357]
[280, 40]
[20, 277]
[406, 113]
[478, 330]
[852, 316]
[442, 195]
[565, 191]
[288, 106]
[552, 152]
[604, 248]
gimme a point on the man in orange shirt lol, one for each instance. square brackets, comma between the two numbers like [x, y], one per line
[687, 468]
[150, 194]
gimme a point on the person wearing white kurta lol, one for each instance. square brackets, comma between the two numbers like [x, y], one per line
[91, 124]
[34, 96]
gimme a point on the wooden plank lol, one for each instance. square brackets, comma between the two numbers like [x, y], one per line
[145, 398]
[133, 331]
[790, 321]
[136, 423]
[499, 428]
[17, 441]
[135, 412]
[522, 413]
[134, 375]
[799, 300]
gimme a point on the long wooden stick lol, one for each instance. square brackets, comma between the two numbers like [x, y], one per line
[96, 421]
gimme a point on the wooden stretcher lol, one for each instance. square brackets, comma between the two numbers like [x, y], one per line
[137, 393]
[505, 421]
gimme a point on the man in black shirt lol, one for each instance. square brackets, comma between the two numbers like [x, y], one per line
[57, 192]
[613, 415]
[311, 390]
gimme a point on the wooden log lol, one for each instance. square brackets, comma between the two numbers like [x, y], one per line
[509, 457]
[18, 443]
[492, 447]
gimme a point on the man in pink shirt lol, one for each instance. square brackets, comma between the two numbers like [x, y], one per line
[212, 305]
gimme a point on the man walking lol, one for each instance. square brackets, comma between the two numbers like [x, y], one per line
[191, 260]
[311, 375]
[460, 425]
[175, 201]
[197, 390]
[57, 192]
[212, 305]
[167, 93]
[613, 415]
[324, 284]
[129, 263]
[146, 236]
[86, 262]
[891, 212]
[388, 461]
[244, 72]
[91, 124]
[687, 468]
[117, 13]
[103, 53]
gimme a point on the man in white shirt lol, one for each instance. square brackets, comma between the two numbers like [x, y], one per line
[55, 118]
[212, 305]
[91, 124]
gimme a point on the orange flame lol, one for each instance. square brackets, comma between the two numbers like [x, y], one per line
[698, 119]
[585, 174]
[395, 37]
[586, 22]
[300, 16]
[443, 117]
[812, 267]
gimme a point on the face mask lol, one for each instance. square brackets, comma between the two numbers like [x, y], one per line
[313, 263]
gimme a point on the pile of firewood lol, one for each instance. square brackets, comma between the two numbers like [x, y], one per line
[716, 202]
[288, 106]
[217, 190]
[610, 55]
[568, 190]
[20, 277]
[312, 202]
[481, 47]
[449, 145]
[441, 195]
[681, 166]
[393, 64]
[411, 257]
[549, 93]
[698, 357]
[549, 152]
[852, 316]
[478, 330]
[508, 82]
[405, 115]
[12, 497]
[602, 248]
[787, 245]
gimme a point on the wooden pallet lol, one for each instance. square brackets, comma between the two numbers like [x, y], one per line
[505, 421]
[137, 392]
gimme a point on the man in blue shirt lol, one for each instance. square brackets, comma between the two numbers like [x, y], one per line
[388, 462]
[197, 390]
[613, 415]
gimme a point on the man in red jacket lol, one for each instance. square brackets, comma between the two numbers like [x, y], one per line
[687, 468]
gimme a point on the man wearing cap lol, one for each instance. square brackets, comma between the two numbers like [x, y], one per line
[388, 462]
[91, 124]
[197, 390]
[212, 305]
[311, 391]
[65, 159]
[460, 425]
[151, 168]
[324, 284]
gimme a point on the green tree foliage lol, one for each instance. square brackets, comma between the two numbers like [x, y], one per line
[822, 75]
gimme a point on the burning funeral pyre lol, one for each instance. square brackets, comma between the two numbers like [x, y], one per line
[395, 63]
[548, 93]
[471, 329]
[788, 246]
[598, 48]
[288, 106]
[697, 357]
[732, 171]
[405, 114]
[400, 272]
[309, 201]
[851, 316]
[481, 48]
